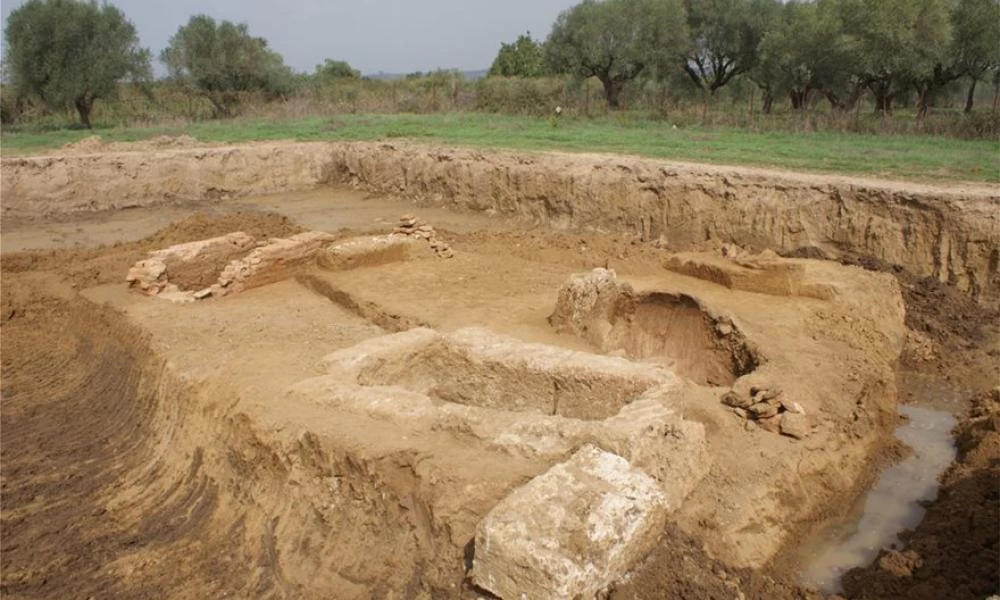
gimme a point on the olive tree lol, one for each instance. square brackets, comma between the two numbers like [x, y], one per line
[222, 60]
[976, 41]
[616, 40]
[973, 50]
[808, 51]
[523, 58]
[900, 44]
[68, 53]
[724, 36]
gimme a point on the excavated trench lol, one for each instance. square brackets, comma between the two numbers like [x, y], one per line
[173, 482]
[370, 311]
[951, 234]
[674, 329]
[118, 475]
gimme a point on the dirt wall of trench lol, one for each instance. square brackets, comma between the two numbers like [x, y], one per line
[159, 475]
[949, 233]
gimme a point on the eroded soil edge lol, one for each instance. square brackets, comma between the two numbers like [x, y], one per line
[951, 234]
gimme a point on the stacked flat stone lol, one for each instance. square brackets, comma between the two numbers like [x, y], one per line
[410, 225]
[770, 410]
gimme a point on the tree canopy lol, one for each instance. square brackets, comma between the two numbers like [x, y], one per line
[336, 69]
[222, 60]
[899, 43]
[724, 35]
[67, 53]
[975, 41]
[806, 50]
[796, 48]
[616, 40]
[523, 58]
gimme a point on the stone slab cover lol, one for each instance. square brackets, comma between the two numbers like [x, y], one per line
[571, 531]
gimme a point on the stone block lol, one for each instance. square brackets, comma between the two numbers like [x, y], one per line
[273, 261]
[367, 251]
[571, 531]
[189, 266]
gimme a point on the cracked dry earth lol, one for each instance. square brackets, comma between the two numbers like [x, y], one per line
[552, 413]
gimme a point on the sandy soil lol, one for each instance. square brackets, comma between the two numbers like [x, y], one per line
[949, 233]
[146, 440]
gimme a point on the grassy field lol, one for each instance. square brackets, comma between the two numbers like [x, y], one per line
[922, 158]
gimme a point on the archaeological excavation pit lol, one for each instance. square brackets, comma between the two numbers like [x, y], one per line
[477, 368]
[677, 328]
[363, 405]
[674, 329]
[481, 393]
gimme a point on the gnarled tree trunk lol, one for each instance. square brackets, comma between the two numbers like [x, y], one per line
[970, 97]
[768, 102]
[612, 92]
[882, 93]
[84, 106]
[883, 101]
[923, 101]
[996, 91]
[799, 98]
[843, 105]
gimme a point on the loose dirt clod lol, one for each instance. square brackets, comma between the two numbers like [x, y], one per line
[770, 409]
[794, 425]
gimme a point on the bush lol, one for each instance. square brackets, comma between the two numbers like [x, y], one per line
[520, 95]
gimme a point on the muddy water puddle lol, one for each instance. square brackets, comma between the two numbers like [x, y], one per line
[894, 504]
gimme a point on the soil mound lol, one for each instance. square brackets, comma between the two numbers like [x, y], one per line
[91, 143]
[170, 141]
[94, 144]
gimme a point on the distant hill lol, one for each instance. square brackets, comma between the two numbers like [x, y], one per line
[478, 74]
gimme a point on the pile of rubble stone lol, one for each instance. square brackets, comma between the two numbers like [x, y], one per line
[410, 225]
[770, 410]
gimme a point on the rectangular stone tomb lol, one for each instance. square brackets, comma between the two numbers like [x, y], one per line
[476, 367]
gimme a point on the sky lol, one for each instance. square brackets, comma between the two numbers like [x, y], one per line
[395, 36]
